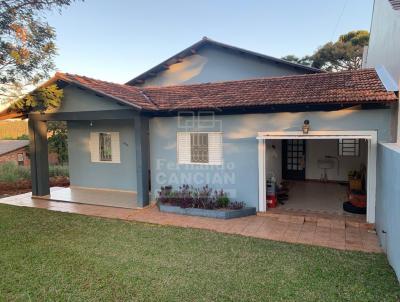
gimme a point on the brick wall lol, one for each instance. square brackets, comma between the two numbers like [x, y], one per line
[13, 156]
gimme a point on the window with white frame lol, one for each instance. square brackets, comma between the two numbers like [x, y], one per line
[349, 147]
[105, 147]
[199, 148]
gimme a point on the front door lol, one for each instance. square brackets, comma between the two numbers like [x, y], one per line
[294, 159]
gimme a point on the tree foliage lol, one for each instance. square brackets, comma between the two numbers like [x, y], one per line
[39, 99]
[58, 140]
[27, 46]
[344, 54]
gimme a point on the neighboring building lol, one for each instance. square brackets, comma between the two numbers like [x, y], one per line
[384, 53]
[384, 45]
[211, 61]
[17, 151]
[14, 151]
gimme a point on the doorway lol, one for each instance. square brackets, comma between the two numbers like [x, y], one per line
[293, 159]
[322, 136]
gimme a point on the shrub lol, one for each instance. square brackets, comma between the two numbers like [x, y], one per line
[222, 199]
[11, 172]
[203, 198]
[58, 170]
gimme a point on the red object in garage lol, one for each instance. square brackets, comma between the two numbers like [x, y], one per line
[272, 201]
[357, 199]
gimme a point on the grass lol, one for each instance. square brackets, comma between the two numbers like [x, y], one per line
[53, 256]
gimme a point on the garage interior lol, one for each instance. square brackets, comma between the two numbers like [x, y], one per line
[316, 175]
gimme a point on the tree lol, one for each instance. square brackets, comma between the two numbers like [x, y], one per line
[306, 60]
[344, 54]
[58, 140]
[27, 49]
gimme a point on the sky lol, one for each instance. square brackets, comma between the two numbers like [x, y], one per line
[120, 39]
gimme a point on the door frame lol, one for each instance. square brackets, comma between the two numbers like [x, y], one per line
[370, 136]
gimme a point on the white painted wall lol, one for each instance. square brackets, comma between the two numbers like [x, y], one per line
[384, 45]
[273, 159]
[318, 149]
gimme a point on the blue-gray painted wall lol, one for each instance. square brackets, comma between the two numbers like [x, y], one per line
[239, 174]
[78, 100]
[214, 64]
[84, 173]
[388, 202]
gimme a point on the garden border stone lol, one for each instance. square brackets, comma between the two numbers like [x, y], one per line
[220, 213]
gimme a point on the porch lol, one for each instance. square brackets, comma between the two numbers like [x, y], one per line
[99, 197]
[95, 182]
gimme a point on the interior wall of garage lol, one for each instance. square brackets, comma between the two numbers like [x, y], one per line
[318, 149]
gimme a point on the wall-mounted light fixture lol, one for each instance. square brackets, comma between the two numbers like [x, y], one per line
[91, 124]
[306, 127]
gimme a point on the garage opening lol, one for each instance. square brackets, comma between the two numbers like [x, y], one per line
[327, 173]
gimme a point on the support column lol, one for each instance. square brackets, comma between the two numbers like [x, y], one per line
[142, 146]
[38, 153]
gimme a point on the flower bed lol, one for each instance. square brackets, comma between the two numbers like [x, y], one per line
[205, 202]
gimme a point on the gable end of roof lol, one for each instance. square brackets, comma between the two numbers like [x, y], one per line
[209, 42]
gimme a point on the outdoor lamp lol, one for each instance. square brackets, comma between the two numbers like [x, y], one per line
[306, 126]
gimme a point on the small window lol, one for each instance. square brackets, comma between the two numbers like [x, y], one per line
[349, 147]
[20, 159]
[105, 147]
[199, 147]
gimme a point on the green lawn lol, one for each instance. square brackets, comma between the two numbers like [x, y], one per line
[56, 256]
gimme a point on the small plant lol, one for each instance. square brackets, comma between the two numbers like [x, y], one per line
[202, 198]
[222, 199]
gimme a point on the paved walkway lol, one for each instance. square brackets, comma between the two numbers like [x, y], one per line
[323, 232]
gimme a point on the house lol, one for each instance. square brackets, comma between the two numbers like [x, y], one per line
[126, 141]
[118, 133]
[383, 52]
[15, 151]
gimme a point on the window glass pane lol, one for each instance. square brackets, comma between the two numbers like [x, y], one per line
[199, 147]
[105, 146]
